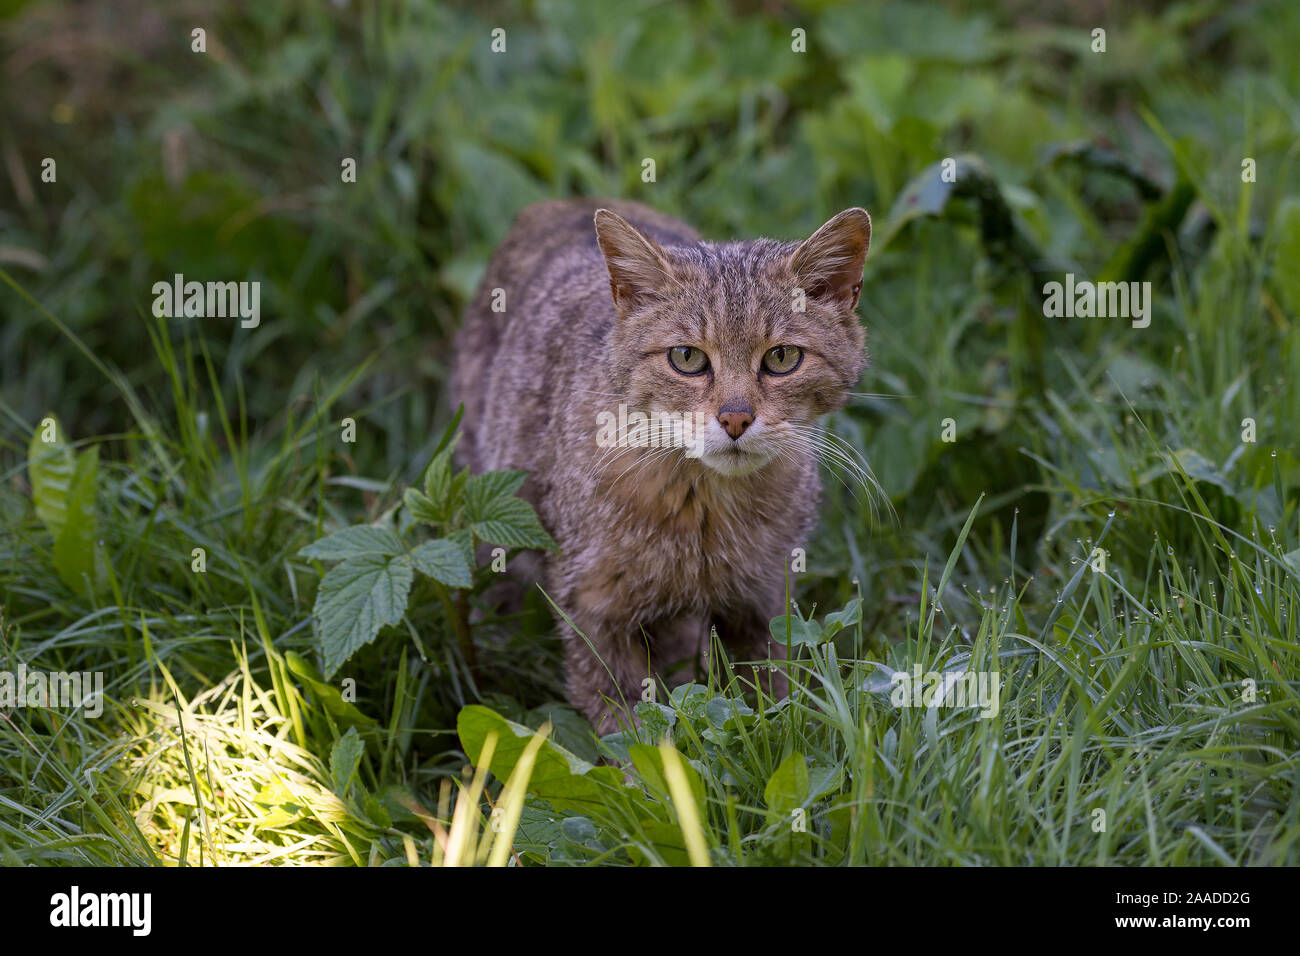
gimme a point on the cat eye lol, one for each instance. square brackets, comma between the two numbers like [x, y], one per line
[687, 359]
[783, 359]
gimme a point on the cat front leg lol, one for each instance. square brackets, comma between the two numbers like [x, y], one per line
[604, 678]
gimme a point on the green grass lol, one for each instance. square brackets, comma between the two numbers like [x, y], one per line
[1124, 686]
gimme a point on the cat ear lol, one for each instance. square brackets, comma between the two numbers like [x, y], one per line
[638, 268]
[829, 263]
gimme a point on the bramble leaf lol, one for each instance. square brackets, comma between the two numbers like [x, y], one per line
[443, 561]
[357, 598]
[511, 523]
[354, 542]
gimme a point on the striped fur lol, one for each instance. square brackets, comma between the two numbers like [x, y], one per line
[657, 546]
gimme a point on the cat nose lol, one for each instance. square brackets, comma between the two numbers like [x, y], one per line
[735, 418]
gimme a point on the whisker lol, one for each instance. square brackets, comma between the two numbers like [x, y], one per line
[884, 395]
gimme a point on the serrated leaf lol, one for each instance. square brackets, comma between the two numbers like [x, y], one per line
[357, 598]
[50, 468]
[376, 812]
[438, 477]
[355, 542]
[443, 560]
[345, 758]
[482, 490]
[456, 496]
[464, 539]
[511, 523]
[420, 507]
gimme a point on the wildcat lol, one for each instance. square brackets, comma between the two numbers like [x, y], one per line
[738, 347]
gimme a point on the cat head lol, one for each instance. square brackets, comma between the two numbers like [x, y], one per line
[754, 340]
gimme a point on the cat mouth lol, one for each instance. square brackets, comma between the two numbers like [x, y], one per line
[734, 461]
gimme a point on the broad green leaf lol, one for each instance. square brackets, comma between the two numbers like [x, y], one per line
[475, 722]
[345, 758]
[562, 779]
[578, 829]
[443, 561]
[1197, 466]
[823, 780]
[50, 467]
[690, 699]
[354, 542]
[657, 720]
[649, 763]
[569, 729]
[1101, 159]
[720, 710]
[666, 839]
[787, 788]
[800, 631]
[1287, 254]
[848, 617]
[357, 598]
[77, 556]
[511, 523]
[1292, 561]
[1148, 243]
